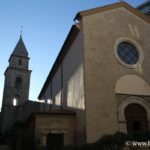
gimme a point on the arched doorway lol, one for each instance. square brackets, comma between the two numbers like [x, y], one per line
[136, 118]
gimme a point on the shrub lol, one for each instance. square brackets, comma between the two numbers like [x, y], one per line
[112, 142]
[139, 136]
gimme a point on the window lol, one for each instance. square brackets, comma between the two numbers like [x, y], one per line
[127, 53]
[20, 62]
[16, 100]
[18, 83]
[136, 118]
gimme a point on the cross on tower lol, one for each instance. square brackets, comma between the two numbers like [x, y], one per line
[21, 30]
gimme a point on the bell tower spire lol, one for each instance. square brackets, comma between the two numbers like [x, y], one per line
[16, 86]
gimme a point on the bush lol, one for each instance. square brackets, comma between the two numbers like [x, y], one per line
[112, 142]
[139, 136]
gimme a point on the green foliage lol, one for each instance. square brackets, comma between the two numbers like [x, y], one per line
[139, 136]
[106, 142]
[112, 142]
[41, 147]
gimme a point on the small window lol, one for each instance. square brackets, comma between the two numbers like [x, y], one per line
[20, 62]
[18, 83]
[16, 100]
[127, 53]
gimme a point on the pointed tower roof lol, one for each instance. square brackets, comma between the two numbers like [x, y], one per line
[20, 49]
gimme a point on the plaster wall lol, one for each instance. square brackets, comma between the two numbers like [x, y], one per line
[101, 32]
[68, 85]
[73, 84]
[56, 89]
[48, 93]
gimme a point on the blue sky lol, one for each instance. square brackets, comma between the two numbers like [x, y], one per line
[46, 24]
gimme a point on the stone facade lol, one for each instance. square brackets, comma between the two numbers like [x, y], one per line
[92, 86]
[16, 87]
[89, 84]
[16, 105]
[40, 124]
[101, 32]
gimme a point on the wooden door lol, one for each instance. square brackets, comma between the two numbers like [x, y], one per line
[136, 118]
[55, 141]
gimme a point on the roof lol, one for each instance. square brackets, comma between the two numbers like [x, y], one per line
[68, 42]
[33, 115]
[81, 14]
[75, 29]
[147, 3]
[20, 49]
[55, 112]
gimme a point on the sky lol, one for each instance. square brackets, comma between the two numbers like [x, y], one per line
[46, 24]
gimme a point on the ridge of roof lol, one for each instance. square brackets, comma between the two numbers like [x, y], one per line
[81, 14]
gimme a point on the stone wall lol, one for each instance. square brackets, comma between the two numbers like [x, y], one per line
[5, 147]
[61, 124]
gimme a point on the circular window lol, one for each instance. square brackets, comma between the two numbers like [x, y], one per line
[127, 53]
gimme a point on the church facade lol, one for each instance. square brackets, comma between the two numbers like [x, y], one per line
[102, 72]
[99, 83]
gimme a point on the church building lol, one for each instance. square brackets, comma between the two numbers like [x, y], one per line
[102, 73]
[16, 106]
[99, 83]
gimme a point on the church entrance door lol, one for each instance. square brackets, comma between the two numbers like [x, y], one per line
[136, 118]
[55, 141]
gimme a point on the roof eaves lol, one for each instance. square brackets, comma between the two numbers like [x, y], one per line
[95, 10]
[70, 38]
[61, 112]
[109, 7]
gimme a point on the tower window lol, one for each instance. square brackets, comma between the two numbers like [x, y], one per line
[18, 83]
[16, 100]
[20, 62]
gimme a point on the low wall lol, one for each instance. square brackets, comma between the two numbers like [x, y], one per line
[5, 147]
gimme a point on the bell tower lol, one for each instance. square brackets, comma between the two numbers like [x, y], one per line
[16, 86]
